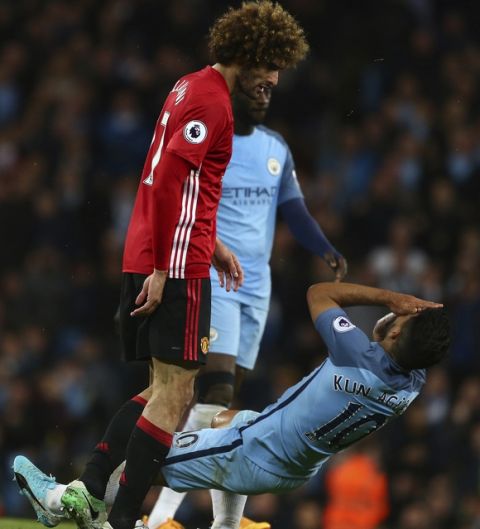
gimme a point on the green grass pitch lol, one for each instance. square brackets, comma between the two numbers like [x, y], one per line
[19, 523]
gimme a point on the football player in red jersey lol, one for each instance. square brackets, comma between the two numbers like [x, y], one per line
[171, 242]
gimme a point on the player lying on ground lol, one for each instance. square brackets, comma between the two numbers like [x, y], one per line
[359, 388]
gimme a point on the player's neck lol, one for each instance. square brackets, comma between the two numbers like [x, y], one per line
[229, 73]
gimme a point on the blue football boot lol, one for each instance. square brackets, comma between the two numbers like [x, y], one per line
[34, 484]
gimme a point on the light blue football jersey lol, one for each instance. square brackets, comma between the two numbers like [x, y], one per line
[356, 391]
[260, 176]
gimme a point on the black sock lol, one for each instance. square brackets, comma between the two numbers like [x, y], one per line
[111, 450]
[146, 452]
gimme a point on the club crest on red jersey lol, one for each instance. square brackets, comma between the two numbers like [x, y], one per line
[204, 343]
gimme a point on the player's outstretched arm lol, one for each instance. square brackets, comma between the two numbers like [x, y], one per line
[308, 233]
[324, 296]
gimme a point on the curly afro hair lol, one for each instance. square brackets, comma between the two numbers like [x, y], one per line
[258, 34]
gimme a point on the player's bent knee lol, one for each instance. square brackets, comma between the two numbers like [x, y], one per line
[223, 418]
[171, 379]
[171, 393]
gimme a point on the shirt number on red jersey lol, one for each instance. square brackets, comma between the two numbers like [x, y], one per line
[158, 154]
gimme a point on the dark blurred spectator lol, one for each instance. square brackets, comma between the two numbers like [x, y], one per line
[307, 515]
[416, 516]
[399, 265]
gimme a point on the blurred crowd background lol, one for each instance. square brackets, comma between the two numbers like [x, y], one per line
[384, 123]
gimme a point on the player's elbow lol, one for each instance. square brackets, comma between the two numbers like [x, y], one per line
[315, 292]
[310, 294]
[320, 298]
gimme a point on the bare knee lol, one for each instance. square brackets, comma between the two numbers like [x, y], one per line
[223, 418]
[171, 392]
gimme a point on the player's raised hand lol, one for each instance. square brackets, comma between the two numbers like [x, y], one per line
[402, 304]
[337, 263]
[227, 266]
[151, 294]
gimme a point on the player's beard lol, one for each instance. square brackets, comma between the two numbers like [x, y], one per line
[245, 113]
[257, 117]
[243, 99]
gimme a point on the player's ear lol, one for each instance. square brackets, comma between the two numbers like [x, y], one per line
[394, 332]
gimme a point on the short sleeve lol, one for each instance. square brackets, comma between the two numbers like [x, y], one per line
[346, 343]
[197, 132]
[289, 186]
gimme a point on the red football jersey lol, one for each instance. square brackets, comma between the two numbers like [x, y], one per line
[173, 223]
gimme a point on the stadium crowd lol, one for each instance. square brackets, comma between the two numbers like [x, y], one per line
[383, 120]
